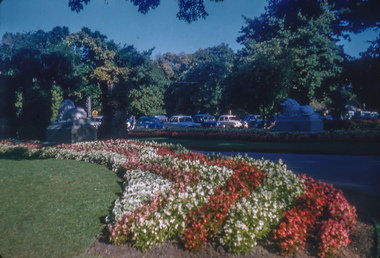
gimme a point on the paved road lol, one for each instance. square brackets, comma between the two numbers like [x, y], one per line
[361, 173]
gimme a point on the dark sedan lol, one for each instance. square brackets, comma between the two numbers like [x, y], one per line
[148, 122]
[206, 120]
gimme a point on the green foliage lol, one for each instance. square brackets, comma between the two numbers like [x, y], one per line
[146, 88]
[18, 103]
[364, 75]
[285, 58]
[173, 65]
[353, 16]
[189, 10]
[289, 51]
[260, 81]
[129, 57]
[200, 88]
[32, 64]
[56, 99]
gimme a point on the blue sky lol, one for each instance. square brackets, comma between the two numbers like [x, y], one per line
[120, 21]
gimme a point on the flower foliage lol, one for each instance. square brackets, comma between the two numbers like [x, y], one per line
[321, 201]
[170, 192]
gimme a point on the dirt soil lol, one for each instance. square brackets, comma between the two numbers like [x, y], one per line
[363, 245]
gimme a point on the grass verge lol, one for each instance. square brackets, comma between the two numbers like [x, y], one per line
[52, 208]
[329, 148]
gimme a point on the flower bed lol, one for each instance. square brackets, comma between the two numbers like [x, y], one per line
[259, 135]
[169, 192]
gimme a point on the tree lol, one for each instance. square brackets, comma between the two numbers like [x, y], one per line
[173, 65]
[31, 63]
[364, 74]
[308, 51]
[350, 16]
[200, 87]
[146, 91]
[189, 10]
[101, 78]
[261, 79]
[146, 83]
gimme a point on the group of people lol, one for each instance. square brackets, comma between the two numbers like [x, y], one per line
[132, 122]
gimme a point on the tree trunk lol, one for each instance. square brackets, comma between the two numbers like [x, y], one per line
[88, 106]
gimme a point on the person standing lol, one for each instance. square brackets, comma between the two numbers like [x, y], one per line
[133, 122]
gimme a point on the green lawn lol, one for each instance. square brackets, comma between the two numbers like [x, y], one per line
[52, 208]
[341, 148]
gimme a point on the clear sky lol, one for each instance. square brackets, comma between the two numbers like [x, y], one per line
[120, 21]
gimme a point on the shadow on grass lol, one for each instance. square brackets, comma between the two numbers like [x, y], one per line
[16, 154]
[366, 204]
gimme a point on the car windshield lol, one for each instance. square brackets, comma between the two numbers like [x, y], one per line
[198, 119]
[148, 120]
[211, 118]
[185, 119]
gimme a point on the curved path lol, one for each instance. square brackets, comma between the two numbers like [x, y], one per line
[361, 173]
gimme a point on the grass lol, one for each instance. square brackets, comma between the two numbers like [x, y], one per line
[52, 208]
[329, 148]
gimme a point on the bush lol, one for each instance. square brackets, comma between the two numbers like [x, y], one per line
[257, 135]
[354, 124]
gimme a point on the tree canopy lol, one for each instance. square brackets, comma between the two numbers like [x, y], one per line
[200, 87]
[288, 51]
[189, 10]
[350, 16]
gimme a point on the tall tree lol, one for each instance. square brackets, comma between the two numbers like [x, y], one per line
[146, 82]
[364, 74]
[31, 64]
[261, 78]
[350, 16]
[287, 61]
[173, 65]
[200, 88]
[100, 74]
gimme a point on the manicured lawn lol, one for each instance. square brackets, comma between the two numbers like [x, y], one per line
[339, 148]
[52, 208]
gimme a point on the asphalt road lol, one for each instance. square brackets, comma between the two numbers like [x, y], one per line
[360, 173]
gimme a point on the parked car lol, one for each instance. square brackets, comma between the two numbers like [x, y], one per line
[181, 121]
[206, 120]
[256, 121]
[251, 121]
[231, 121]
[96, 121]
[149, 122]
[368, 115]
[162, 118]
